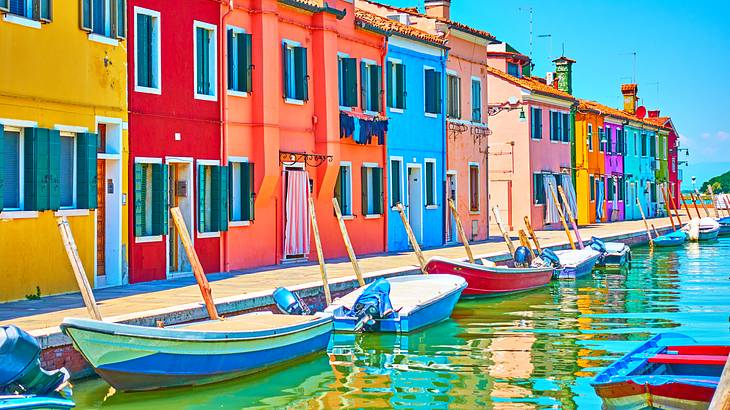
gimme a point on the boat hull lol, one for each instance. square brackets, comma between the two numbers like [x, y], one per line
[676, 238]
[577, 267]
[617, 255]
[34, 402]
[142, 358]
[709, 234]
[629, 395]
[491, 281]
[724, 226]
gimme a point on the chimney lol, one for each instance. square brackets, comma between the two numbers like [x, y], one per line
[564, 73]
[438, 8]
[630, 99]
[653, 113]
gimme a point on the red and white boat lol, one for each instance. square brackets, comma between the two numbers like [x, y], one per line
[486, 281]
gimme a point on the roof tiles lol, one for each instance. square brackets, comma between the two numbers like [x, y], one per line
[392, 26]
[531, 84]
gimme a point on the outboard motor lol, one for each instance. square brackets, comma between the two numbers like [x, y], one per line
[290, 303]
[551, 257]
[20, 366]
[522, 257]
[598, 245]
[373, 304]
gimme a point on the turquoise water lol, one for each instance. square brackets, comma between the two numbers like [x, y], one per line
[536, 350]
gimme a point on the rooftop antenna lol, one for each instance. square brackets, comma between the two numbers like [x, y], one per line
[530, 10]
[550, 36]
[633, 53]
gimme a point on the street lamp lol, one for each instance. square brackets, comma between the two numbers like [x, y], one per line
[523, 117]
[694, 178]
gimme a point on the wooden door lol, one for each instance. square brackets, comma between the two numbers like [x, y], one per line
[101, 219]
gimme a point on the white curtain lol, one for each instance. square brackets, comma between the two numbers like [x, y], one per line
[567, 183]
[551, 211]
[599, 200]
[296, 234]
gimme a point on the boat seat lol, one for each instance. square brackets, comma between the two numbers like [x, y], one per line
[718, 350]
[689, 359]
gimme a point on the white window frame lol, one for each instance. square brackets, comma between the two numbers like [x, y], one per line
[205, 163]
[21, 20]
[435, 205]
[340, 81]
[236, 223]
[21, 173]
[74, 177]
[392, 78]
[348, 165]
[400, 179]
[532, 118]
[229, 91]
[479, 197]
[106, 38]
[213, 69]
[147, 238]
[425, 113]
[368, 63]
[155, 15]
[481, 105]
[290, 44]
[446, 85]
[369, 167]
[589, 137]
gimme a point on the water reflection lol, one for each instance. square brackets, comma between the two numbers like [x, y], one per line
[529, 351]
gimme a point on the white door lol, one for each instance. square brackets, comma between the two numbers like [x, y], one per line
[180, 194]
[451, 235]
[415, 202]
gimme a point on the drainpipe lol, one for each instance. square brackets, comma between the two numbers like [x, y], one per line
[384, 104]
[444, 145]
[222, 82]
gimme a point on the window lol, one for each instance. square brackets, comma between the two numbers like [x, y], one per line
[432, 94]
[241, 194]
[396, 73]
[610, 188]
[453, 96]
[619, 142]
[476, 100]
[565, 127]
[601, 138]
[652, 146]
[430, 182]
[31, 9]
[11, 170]
[513, 70]
[212, 198]
[205, 61]
[147, 50]
[643, 145]
[343, 189]
[104, 17]
[150, 198]
[347, 70]
[396, 181]
[636, 143]
[372, 190]
[536, 123]
[555, 126]
[239, 60]
[609, 140]
[474, 187]
[67, 182]
[621, 187]
[296, 80]
[371, 86]
[538, 189]
[592, 187]
[589, 137]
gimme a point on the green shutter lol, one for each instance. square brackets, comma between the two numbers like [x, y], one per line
[54, 170]
[86, 178]
[395, 182]
[438, 98]
[285, 70]
[430, 93]
[140, 199]
[400, 81]
[251, 192]
[247, 192]
[201, 198]
[429, 184]
[159, 199]
[230, 35]
[85, 15]
[350, 66]
[376, 87]
[338, 192]
[35, 169]
[245, 80]
[300, 68]
[364, 190]
[202, 66]
[41, 10]
[363, 87]
[378, 198]
[219, 198]
[4, 6]
[2, 143]
[121, 18]
[143, 50]
[390, 97]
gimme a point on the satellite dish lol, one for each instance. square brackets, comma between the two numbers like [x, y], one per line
[512, 100]
[641, 112]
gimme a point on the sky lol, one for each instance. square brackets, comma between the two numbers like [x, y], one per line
[682, 57]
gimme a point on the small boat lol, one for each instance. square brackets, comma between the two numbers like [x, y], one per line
[704, 229]
[613, 254]
[576, 263]
[485, 281]
[29, 401]
[670, 371]
[133, 357]
[724, 226]
[675, 238]
[401, 304]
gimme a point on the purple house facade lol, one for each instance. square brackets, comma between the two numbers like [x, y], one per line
[614, 182]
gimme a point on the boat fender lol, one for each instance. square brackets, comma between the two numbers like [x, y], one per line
[598, 245]
[289, 302]
[522, 257]
[550, 256]
[20, 366]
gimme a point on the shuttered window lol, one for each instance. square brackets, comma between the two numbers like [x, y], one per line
[347, 76]
[239, 60]
[372, 190]
[212, 198]
[371, 89]
[39, 10]
[68, 164]
[474, 188]
[476, 100]
[432, 85]
[643, 145]
[41, 169]
[396, 77]
[555, 126]
[241, 191]
[396, 181]
[589, 137]
[601, 138]
[205, 61]
[453, 96]
[104, 17]
[536, 123]
[86, 176]
[147, 48]
[150, 199]
[538, 189]
[343, 189]
[592, 181]
[430, 182]
[296, 80]
[10, 170]
[565, 127]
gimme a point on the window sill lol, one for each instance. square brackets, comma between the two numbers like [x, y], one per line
[348, 217]
[536, 139]
[538, 204]
[432, 207]
[206, 97]
[18, 214]
[204, 235]
[554, 141]
[148, 239]
[147, 90]
[371, 113]
[396, 110]
[293, 101]
[346, 109]
[236, 224]
[235, 93]
[373, 216]
[22, 21]
[72, 212]
[430, 115]
[103, 39]
[474, 212]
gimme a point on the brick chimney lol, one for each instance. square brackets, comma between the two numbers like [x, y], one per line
[564, 74]
[438, 8]
[653, 113]
[630, 99]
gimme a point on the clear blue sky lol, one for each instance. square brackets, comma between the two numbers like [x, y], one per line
[682, 64]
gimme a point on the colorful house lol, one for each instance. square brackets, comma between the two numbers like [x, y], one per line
[63, 120]
[590, 163]
[530, 146]
[614, 169]
[672, 150]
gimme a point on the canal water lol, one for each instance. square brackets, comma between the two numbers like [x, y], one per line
[537, 350]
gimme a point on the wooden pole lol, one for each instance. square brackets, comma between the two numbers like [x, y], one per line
[507, 239]
[721, 399]
[686, 208]
[666, 206]
[460, 228]
[646, 225]
[675, 207]
[198, 272]
[562, 216]
[79, 273]
[320, 254]
[526, 242]
[694, 204]
[653, 228]
[573, 220]
[532, 234]
[412, 238]
[702, 203]
[348, 244]
[714, 201]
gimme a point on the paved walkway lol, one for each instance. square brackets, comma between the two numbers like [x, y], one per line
[129, 299]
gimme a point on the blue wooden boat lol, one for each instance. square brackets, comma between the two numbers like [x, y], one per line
[669, 371]
[133, 357]
[724, 225]
[614, 255]
[16, 402]
[576, 263]
[415, 301]
[675, 238]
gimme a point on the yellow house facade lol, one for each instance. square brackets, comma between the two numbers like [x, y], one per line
[63, 144]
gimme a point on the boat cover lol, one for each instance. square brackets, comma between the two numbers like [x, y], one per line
[374, 301]
[574, 257]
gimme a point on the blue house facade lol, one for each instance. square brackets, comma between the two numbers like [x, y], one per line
[648, 172]
[416, 146]
[632, 170]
